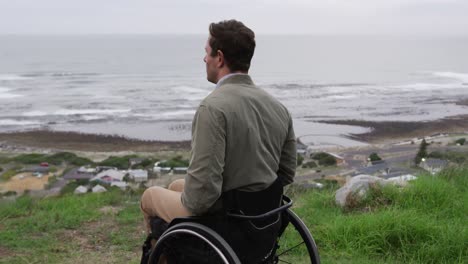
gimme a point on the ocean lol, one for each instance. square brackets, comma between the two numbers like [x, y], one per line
[148, 86]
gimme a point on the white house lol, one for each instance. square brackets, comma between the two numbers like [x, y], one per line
[86, 170]
[138, 175]
[433, 165]
[109, 176]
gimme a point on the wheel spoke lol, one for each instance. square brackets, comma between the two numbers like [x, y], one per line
[289, 249]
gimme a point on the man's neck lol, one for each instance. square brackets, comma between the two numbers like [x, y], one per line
[220, 81]
[223, 74]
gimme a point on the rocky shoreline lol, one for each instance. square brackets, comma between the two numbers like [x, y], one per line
[73, 141]
[384, 132]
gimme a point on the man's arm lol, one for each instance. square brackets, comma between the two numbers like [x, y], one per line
[287, 165]
[203, 183]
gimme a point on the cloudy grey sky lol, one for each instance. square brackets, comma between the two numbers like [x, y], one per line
[383, 17]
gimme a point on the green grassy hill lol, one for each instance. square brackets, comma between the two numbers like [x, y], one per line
[423, 223]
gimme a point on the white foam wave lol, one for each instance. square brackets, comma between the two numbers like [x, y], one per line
[340, 97]
[12, 77]
[34, 113]
[425, 86]
[12, 122]
[178, 113]
[189, 90]
[4, 93]
[90, 111]
[92, 117]
[453, 75]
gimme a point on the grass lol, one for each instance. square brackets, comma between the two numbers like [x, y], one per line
[422, 223]
[72, 229]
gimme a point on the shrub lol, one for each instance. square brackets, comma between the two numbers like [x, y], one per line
[319, 156]
[374, 157]
[460, 141]
[327, 161]
[80, 161]
[9, 174]
[175, 162]
[118, 162]
[147, 162]
[32, 158]
[324, 159]
[59, 158]
[309, 164]
[422, 153]
[67, 157]
[299, 160]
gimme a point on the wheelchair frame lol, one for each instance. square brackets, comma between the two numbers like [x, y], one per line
[219, 245]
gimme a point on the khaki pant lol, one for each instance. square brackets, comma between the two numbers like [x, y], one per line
[164, 203]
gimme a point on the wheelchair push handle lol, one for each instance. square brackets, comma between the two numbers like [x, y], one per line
[287, 204]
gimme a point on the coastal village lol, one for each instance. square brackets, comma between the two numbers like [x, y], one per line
[54, 173]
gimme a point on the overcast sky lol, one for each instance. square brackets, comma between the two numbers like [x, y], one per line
[331, 17]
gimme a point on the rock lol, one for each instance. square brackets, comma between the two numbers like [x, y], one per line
[81, 189]
[402, 180]
[98, 188]
[357, 185]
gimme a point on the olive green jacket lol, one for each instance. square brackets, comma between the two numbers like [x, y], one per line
[242, 138]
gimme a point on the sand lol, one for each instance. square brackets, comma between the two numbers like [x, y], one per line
[393, 131]
[24, 181]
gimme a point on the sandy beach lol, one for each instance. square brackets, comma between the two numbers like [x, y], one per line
[73, 141]
[393, 131]
[382, 132]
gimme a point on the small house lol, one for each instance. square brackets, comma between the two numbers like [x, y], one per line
[433, 165]
[138, 175]
[76, 174]
[180, 170]
[109, 176]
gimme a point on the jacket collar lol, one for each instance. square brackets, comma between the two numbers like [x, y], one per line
[235, 78]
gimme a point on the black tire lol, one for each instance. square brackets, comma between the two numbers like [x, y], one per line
[201, 236]
[305, 240]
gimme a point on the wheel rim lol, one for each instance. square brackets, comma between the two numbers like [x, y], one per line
[296, 245]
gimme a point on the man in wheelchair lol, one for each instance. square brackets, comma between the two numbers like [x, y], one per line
[243, 153]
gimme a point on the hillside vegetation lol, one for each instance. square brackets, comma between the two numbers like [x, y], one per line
[422, 223]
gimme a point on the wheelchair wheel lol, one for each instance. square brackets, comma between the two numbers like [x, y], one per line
[192, 243]
[296, 245]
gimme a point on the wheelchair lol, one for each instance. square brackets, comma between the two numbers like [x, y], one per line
[238, 235]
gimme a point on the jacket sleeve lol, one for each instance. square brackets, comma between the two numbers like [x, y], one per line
[203, 183]
[288, 159]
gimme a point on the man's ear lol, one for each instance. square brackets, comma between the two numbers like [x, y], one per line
[220, 63]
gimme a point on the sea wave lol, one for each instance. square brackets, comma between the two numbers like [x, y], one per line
[90, 111]
[315, 85]
[12, 77]
[178, 113]
[453, 75]
[13, 122]
[425, 86]
[4, 93]
[58, 74]
[34, 113]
